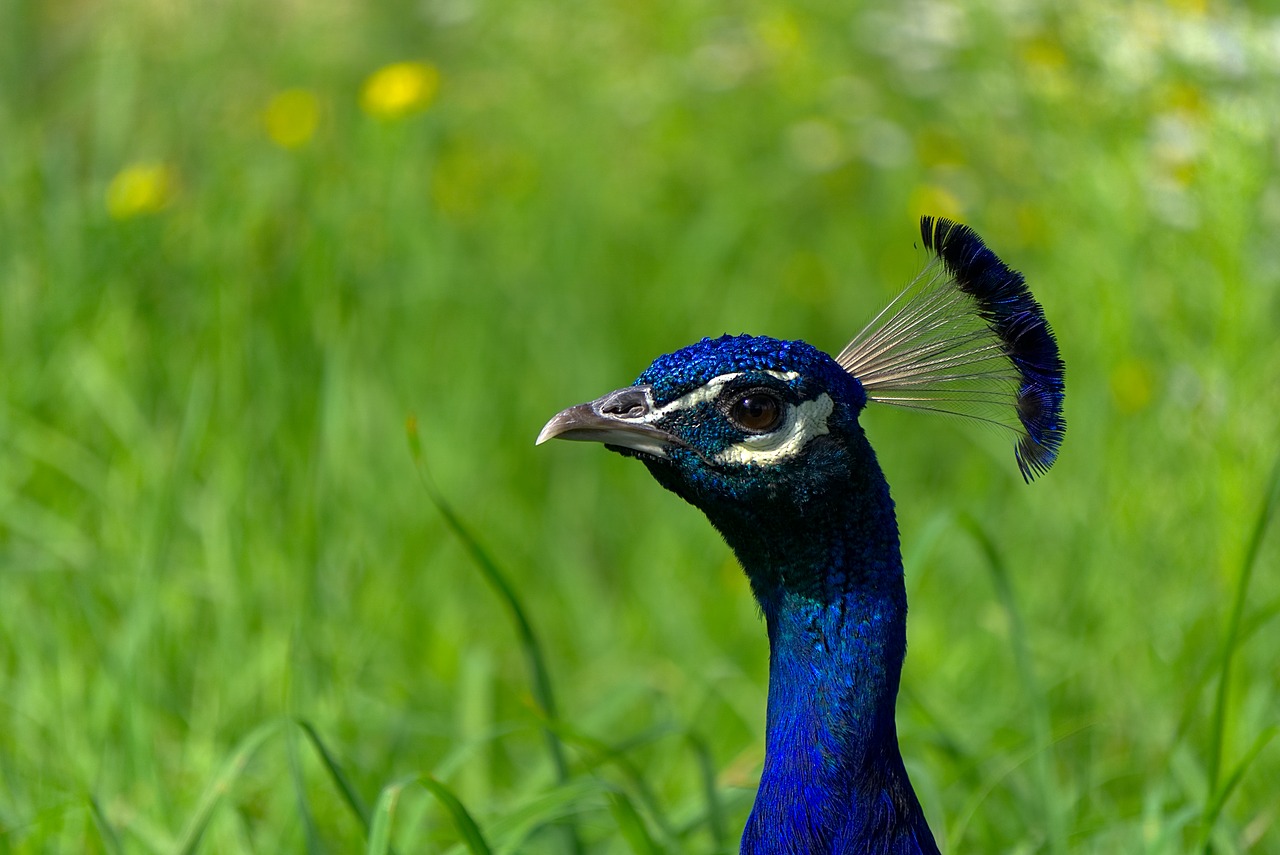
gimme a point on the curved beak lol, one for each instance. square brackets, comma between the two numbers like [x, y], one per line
[621, 419]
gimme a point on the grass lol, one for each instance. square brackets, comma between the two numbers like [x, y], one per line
[231, 266]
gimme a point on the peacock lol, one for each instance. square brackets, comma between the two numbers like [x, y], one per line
[762, 435]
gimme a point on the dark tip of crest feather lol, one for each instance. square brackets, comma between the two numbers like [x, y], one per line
[1005, 303]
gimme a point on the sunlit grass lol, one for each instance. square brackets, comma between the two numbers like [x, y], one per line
[239, 246]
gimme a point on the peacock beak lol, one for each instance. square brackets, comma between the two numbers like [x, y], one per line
[623, 419]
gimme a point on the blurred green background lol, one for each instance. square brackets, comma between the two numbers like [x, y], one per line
[240, 243]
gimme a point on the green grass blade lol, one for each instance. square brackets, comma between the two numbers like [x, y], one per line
[310, 833]
[631, 825]
[598, 753]
[1231, 643]
[380, 828]
[497, 580]
[462, 820]
[349, 792]
[235, 765]
[1040, 719]
[110, 840]
[707, 773]
[384, 814]
[519, 821]
[535, 660]
[1237, 774]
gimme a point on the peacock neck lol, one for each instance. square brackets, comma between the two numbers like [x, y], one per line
[829, 581]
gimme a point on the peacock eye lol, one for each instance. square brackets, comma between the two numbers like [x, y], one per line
[756, 411]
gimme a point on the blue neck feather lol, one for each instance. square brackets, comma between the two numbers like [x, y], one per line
[827, 572]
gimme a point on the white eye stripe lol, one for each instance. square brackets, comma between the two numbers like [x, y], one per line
[804, 421]
[704, 394]
[709, 391]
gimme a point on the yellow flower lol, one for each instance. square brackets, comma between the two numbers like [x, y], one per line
[935, 201]
[781, 32]
[291, 117]
[400, 89]
[1032, 228]
[1186, 99]
[1190, 8]
[1132, 385]
[1045, 53]
[139, 189]
[936, 146]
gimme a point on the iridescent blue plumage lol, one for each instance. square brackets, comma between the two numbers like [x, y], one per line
[815, 533]
[763, 437]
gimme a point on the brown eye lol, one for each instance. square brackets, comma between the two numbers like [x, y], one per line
[758, 412]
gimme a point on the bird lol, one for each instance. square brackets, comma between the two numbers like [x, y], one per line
[763, 436]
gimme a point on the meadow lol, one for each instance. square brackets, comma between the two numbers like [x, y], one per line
[287, 291]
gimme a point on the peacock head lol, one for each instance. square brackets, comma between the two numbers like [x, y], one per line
[737, 421]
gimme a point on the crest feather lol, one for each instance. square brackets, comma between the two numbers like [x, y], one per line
[967, 338]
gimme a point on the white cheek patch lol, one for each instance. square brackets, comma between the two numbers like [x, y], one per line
[709, 391]
[804, 421]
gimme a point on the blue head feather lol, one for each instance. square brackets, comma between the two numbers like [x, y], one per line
[684, 370]
[759, 507]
